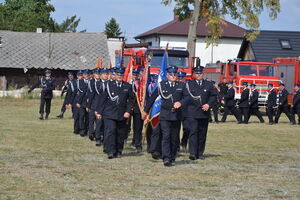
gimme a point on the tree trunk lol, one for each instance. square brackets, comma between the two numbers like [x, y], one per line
[192, 35]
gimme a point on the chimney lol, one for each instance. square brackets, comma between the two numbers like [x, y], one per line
[39, 30]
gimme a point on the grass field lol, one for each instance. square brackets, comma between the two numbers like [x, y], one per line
[45, 160]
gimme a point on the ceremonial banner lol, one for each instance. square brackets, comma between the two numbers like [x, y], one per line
[99, 62]
[162, 76]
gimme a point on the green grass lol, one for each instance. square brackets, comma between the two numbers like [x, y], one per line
[45, 160]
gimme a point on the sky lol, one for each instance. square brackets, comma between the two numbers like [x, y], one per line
[138, 16]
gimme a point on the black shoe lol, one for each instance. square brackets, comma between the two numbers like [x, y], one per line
[138, 149]
[82, 133]
[173, 163]
[41, 117]
[270, 123]
[192, 157]
[155, 155]
[98, 143]
[91, 137]
[217, 122]
[60, 116]
[118, 155]
[110, 156]
[47, 116]
[239, 122]
[201, 157]
[75, 132]
[262, 121]
[167, 163]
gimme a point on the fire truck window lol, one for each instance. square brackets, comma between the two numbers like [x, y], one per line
[248, 70]
[266, 71]
[223, 69]
[232, 71]
[180, 62]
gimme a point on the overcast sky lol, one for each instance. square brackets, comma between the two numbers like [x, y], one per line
[138, 16]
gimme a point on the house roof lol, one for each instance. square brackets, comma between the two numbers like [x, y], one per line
[69, 51]
[268, 45]
[181, 28]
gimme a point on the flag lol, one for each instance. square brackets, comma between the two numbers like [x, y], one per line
[128, 70]
[142, 88]
[99, 62]
[162, 76]
[119, 61]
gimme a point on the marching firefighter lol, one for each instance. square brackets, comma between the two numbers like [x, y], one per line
[283, 105]
[296, 104]
[244, 103]
[202, 96]
[70, 89]
[229, 102]
[138, 122]
[271, 103]
[171, 93]
[48, 85]
[117, 104]
[253, 103]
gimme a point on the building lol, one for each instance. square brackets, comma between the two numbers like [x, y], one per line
[271, 44]
[24, 56]
[175, 34]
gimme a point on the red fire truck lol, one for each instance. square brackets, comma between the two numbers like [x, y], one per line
[259, 73]
[152, 56]
[289, 73]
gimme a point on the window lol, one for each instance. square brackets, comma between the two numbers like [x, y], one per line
[285, 44]
[180, 62]
[248, 70]
[232, 70]
[267, 71]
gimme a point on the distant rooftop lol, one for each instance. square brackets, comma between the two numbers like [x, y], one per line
[69, 51]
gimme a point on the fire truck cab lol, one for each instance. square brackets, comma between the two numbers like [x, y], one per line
[259, 73]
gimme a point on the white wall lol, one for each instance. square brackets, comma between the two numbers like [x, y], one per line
[226, 49]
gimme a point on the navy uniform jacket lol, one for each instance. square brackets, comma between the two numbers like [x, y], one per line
[223, 88]
[253, 102]
[229, 97]
[244, 101]
[91, 93]
[136, 108]
[81, 92]
[272, 97]
[208, 95]
[167, 111]
[283, 97]
[47, 84]
[86, 93]
[116, 101]
[98, 101]
[296, 100]
[71, 91]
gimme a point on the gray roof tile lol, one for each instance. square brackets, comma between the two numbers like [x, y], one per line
[69, 51]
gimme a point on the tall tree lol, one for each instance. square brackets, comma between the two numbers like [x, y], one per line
[112, 28]
[68, 25]
[25, 15]
[246, 12]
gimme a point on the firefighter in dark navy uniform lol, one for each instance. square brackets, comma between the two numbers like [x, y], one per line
[296, 104]
[70, 90]
[172, 99]
[253, 103]
[91, 98]
[83, 110]
[138, 122]
[185, 126]
[271, 103]
[48, 85]
[100, 90]
[244, 103]
[202, 95]
[283, 105]
[229, 102]
[118, 103]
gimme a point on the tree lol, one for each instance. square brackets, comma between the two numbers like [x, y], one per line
[68, 25]
[112, 28]
[247, 12]
[27, 15]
